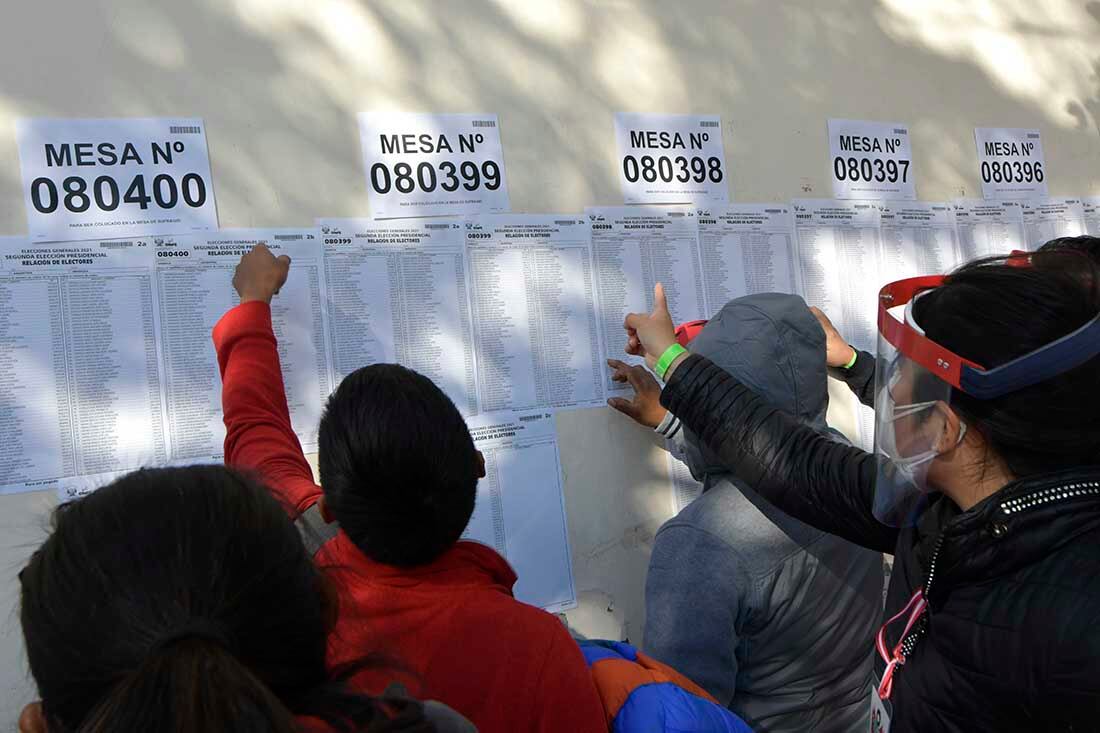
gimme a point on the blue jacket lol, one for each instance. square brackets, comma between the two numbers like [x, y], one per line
[641, 695]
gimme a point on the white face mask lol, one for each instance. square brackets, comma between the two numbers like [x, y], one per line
[907, 466]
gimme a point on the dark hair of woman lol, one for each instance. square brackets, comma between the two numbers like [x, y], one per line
[993, 311]
[182, 599]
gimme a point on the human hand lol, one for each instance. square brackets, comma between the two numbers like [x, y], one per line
[260, 274]
[650, 334]
[645, 407]
[837, 351]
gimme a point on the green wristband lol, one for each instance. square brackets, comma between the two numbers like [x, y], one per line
[852, 362]
[670, 355]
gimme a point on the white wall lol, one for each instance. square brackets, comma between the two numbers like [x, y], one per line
[279, 82]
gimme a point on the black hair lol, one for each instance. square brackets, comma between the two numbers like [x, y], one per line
[1088, 246]
[991, 312]
[182, 599]
[397, 465]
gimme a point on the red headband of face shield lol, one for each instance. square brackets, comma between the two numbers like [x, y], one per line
[685, 332]
[1044, 363]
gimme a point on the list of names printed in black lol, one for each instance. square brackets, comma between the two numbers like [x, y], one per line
[1091, 206]
[520, 507]
[918, 239]
[746, 249]
[1052, 218]
[80, 394]
[534, 304]
[635, 248]
[194, 276]
[989, 228]
[838, 245]
[397, 293]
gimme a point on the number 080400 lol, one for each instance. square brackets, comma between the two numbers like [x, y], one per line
[77, 196]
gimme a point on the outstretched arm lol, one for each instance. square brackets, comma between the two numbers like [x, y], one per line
[823, 483]
[259, 436]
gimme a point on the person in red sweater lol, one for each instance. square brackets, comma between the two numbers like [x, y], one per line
[399, 475]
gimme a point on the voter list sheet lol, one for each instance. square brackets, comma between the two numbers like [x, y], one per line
[520, 507]
[988, 228]
[839, 246]
[1052, 218]
[746, 249]
[81, 395]
[535, 314]
[194, 275]
[635, 248]
[398, 293]
[917, 239]
[1091, 207]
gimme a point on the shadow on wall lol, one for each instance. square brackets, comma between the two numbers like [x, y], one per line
[279, 83]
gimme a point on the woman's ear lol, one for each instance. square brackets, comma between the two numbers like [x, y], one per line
[950, 431]
[32, 719]
[480, 465]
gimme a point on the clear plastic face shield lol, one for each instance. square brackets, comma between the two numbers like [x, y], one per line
[914, 421]
[916, 428]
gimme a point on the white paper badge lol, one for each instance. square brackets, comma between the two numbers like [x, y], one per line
[871, 160]
[428, 165]
[106, 178]
[1011, 163]
[671, 159]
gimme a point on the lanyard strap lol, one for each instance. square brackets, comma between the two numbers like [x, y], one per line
[915, 608]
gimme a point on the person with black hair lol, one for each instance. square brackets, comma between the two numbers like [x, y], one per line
[856, 368]
[399, 473]
[183, 599]
[985, 485]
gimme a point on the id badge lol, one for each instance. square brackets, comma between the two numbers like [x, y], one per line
[880, 711]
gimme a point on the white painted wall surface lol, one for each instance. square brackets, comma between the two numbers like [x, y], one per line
[279, 83]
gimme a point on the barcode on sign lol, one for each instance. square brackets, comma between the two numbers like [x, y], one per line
[709, 123]
[437, 226]
[184, 130]
[287, 237]
[116, 245]
[484, 123]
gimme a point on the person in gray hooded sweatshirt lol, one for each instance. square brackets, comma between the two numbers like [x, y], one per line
[773, 618]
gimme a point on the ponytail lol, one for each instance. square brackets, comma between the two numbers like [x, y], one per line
[182, 599]
[190, 684]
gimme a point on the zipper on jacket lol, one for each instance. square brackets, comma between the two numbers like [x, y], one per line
[914, 635]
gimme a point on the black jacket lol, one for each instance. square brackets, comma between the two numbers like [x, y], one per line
[1012, 639]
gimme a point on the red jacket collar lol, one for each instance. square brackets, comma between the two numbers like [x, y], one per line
[466, 563]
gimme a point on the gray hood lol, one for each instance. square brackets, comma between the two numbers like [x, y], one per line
[772, 344]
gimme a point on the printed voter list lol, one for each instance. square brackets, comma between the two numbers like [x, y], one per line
[671, 159]
[871, 160]
[106, 178]
[433, 164]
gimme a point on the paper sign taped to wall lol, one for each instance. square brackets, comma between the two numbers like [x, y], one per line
[107, 178]
[431, 165]
[671, 159]
[1011, 163]
[871, 160]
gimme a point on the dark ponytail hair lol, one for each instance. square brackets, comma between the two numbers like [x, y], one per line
[992, 311]
[182, 599]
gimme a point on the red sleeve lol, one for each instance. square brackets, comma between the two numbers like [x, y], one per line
[568, 699]
[258, 435]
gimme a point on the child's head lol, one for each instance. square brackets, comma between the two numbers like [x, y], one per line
[398, 466]
[178, 599]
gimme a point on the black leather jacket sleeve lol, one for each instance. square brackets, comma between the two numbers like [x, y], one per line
[860, 378]
[819, 481]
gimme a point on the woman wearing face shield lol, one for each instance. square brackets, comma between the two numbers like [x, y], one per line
[984, 484]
